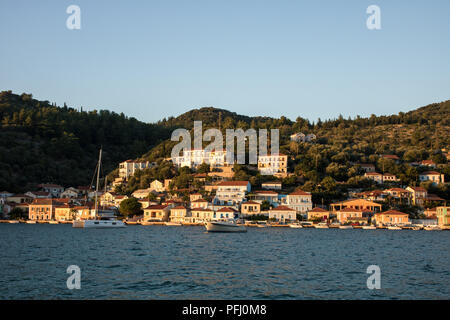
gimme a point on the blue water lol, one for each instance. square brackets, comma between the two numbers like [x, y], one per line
[158, 262]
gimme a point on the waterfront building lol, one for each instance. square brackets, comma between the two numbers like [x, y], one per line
[358, 204]
[348, 215]
[178, 214]
[43, 209]
[156, 213]
[443, 216]
[391, 217]
[200, 215]
[283, 214]
[199, 203]
[318, 213]
[300, 201]
[250, 208]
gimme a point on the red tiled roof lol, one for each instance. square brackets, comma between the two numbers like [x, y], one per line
[201, 209]
[200, 200]
[234, 183]
[178, 208]
[430, 172]
[391, 212]
[265, 191]
[317, 209]
[250, 202]
[226, 209]
[283, 208]
[156, 207]
[299, 193]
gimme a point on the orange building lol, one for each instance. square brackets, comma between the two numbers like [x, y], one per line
[358, 204]
[391, 217]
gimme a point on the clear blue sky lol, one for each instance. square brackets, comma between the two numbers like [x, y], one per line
[154, 59]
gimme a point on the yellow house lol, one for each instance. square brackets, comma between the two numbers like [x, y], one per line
[318, 213]
[156, 213]
[346, 215]
[443, 215]
[201, 215]
[273, 165]
[157, 186]
[251, 207]
[391, 217]
[195, 196]
[178, 214]
[64, 212]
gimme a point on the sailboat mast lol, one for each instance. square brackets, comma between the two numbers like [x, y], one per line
[98, 179]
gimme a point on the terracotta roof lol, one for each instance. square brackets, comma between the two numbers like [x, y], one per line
[156, 207]
[226, 209]
[201, 209]
[391, 212]
[178, 208]
[391, 156]
[317, 209]
[420, 189]
[350, 210]
[300, 193]
[282, 208]
[234, 183]
[250, 202]
[430, 172]
[265, 191]
[200, 200]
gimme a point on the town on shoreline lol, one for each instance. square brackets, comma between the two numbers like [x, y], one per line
[214, 194]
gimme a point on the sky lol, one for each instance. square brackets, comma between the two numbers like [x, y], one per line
[155, 59]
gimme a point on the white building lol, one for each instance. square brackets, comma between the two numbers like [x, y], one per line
[54, 189]
[273, 165]
[129, 167]
[282, 214]
[300, 201]
[433, 176]
[231, 192]
[194, 158]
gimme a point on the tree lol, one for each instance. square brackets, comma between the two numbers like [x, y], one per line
[16, 213]
[130, 207]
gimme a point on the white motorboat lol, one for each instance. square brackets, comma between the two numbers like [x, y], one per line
[295, 226]
[431, 228]
[345, 227]
[224, 226]
[30, 221]
[369, 228]
[394, 228]
[101, 223]
[321, 226]
[177, 224]
[13, 221]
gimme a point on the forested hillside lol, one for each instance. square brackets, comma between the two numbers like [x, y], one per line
[40, 142]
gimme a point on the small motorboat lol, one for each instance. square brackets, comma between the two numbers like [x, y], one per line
[98, 223]
[321, 225]
[13, 221]
[345, 227]
[369, 228]
[224, 226]
[394, 228]
[174, 224]
[30, 221]
[431, 228]
[295, 226]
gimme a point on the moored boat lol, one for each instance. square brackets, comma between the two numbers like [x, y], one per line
[369, 228]
[224, 226]
[175, 224]
[394, 228]
[431, 228]
[345, 227]
[53, 222]
[295, 226]
[321, 226]
[30, 221]
[13, 221]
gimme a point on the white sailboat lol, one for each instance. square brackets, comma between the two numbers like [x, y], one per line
[100, 222]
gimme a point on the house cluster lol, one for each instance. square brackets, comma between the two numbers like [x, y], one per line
[50, 202]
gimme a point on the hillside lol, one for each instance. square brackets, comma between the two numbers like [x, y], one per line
[40, 142]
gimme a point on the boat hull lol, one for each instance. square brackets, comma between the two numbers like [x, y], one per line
[224, 227]
[98, 224]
